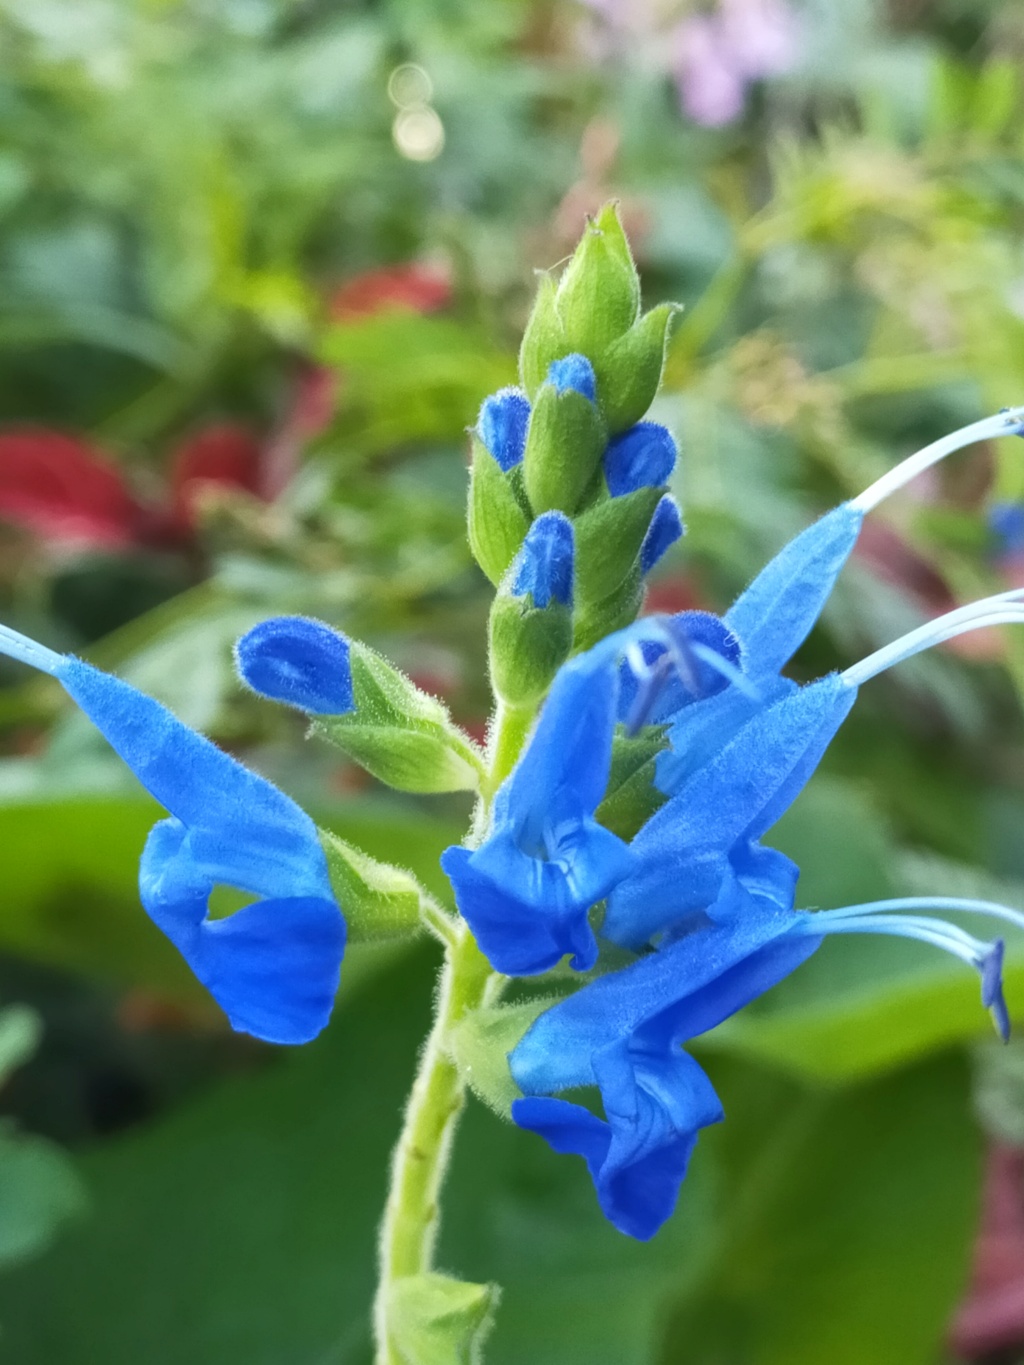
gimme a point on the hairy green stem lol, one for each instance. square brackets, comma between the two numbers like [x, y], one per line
[412, 1213]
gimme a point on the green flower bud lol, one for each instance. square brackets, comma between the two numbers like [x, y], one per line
[598, 298]
[566, 437]
[401, 735]
[531, 618]
[629, 371]
[497, 519]
[544, 339]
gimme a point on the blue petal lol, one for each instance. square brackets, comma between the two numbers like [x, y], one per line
[675, 692]
[273, 966]
[776, 613]
[639, 1156]
[502, 426]
[672, 995]
[573, 372]
[642, 457]
[298, 661]
[544, 565]
[738, 793]
[665, 529]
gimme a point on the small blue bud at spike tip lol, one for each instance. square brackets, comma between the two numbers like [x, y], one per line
[502, 426]
[274, 965]
[300, 662]
[665, 529]
[543, 567]
[573, 372]
[642, 457]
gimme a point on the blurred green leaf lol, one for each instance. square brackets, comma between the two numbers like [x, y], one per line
[39, 1193]
[845, 1224]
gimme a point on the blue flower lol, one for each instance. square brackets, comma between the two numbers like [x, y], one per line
[642, 457]
[574, 372]
[300, 662]
[527, 890]
[624, 1033]
[502, 424]
[543, 568]
[272, 966]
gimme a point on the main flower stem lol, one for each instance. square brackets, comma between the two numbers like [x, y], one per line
[420, 1162]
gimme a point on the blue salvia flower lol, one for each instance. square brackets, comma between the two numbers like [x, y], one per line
[272, 966]
[707, 905]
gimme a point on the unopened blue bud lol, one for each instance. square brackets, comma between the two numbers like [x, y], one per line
[502, 425]
[544, 565]
[573, 372]
[665, 529]
[642, 457]
[297, 661]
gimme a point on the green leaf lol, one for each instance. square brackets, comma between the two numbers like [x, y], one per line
[19, 1037]
[438, 1320]
[39, 1193]
[845, 1224]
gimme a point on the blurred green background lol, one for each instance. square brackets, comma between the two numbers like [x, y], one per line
[261, 260]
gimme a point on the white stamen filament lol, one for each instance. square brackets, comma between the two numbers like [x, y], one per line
[960, 904]
[26, 651]
[1009, 423]
[990, 611]
[953, 940]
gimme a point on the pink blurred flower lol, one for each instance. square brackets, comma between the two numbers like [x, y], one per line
[718, 55]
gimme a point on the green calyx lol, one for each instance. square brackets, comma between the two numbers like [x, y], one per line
[631, 797]
[498, 513]
[380, 902]
[528, 645]
[401, 735]
[564, 443]
[598, 297]
[480, 1045]
[594, 620]
[629, 372]
[436, 1319]
[609, 534]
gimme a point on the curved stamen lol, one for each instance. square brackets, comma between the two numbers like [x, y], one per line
[990, 611]
[26, 651]
[680, 659]
[1009, 422]
[960, 904]
[985, 957]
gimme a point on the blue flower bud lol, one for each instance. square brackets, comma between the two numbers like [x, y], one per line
[665, 529]
[544, 565]
[502, 425]
[297, 661]
[573, 372]
[642, 457]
